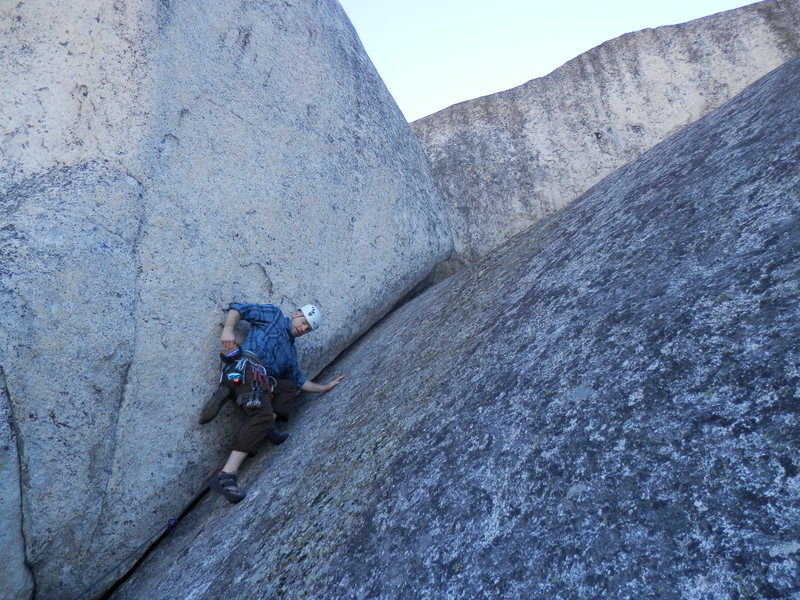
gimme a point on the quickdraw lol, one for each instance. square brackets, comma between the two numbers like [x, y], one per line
[258, 382]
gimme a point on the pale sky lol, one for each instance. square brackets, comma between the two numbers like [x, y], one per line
[435, 53]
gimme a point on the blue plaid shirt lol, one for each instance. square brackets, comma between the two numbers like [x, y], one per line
[269, 338]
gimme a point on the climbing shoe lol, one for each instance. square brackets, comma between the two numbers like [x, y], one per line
[225, 484]
[213, 405]
[276, 436]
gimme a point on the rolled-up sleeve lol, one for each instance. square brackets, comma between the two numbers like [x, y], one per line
[252, 313]
[295, 375]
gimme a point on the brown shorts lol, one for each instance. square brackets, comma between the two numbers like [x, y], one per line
[260, 419]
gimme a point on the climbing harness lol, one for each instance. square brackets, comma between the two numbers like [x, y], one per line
[247, 369]
[241, 367]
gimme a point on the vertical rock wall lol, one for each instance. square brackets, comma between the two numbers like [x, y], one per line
[14, 573]
[604, 407]
[162, 159]
[505, 161]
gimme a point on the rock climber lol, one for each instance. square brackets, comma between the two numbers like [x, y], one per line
[263, 375]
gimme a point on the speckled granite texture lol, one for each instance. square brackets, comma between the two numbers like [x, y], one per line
[160, 159]
[605, 407]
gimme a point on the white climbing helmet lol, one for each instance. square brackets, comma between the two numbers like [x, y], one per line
[312, 315]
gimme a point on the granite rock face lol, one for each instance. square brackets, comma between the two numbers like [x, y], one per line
[604, 407]
[14, 575]
[506, 160]
[160, 160]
